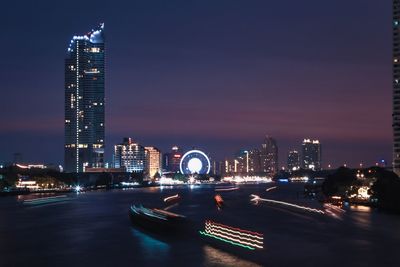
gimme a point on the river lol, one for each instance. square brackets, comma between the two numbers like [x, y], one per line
[93, 229]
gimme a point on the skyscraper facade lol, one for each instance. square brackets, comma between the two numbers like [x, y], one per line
[293, 161]
[254, 162]
[269, 156]
[396, 87]
[172, 159]
[153, 160]
[311, 154]
[130, 155]
[242, 162]
[84, 101]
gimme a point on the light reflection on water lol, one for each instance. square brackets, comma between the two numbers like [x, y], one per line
[360, 208]
[97, 220]
[216, 257]
[151, 246]
[361, 216]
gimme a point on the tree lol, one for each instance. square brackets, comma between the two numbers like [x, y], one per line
[338, 182]
[386, 190]
[137, 176]
[3, 184]
[157, 175]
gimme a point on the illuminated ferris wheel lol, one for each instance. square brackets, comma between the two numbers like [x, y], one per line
[195, 161]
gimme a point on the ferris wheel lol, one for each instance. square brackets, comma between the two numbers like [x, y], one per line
[195, 161]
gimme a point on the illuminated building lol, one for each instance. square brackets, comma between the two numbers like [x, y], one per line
[173, 159]
[396, 86]
[227, 167]
[254, 161]
[153, 160]
[293, 161]
[242, 162]
[130, 155]
[84, 102]
[216, 167]
[105, 170]
[311, 154]
[269, 156]
[263, 161]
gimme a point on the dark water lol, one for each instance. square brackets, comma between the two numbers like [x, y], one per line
[93, 229]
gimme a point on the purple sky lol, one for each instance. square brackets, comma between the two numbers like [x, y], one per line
[217, 75]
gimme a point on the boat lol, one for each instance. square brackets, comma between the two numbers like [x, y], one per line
[219, 201]
[155, 219]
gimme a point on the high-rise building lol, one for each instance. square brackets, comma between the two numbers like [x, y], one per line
[84, 101]
[153, 160]
[172, 159]
[311, 154]
[130, 155]
[228, 167]
[396, 86]
[242, 162]
[254, 161]
[293, 161]
[269, 156]
[216, 167]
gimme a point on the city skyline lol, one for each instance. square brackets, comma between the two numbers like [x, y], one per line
[168, 115]
[200, 133]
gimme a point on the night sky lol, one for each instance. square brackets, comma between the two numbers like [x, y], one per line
[213, 74]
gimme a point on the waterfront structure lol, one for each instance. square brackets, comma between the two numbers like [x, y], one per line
[130, 155]
[153, 160]
[84, 102]
[173, 159]
[311, 154]
[105, 170]
[269, 156]
[293, 160]
[396, 87]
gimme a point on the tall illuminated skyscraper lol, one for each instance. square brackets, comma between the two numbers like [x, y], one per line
[396, 86]
[293, 161]
[269, 156]
[311, 154]
[84, 101]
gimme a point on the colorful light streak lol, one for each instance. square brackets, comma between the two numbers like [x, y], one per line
[271, 188]
[46, 200]
[235, 229]
[234, 236]
[226, 189]
[171, 198]
[225, 240]
[256, 198]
